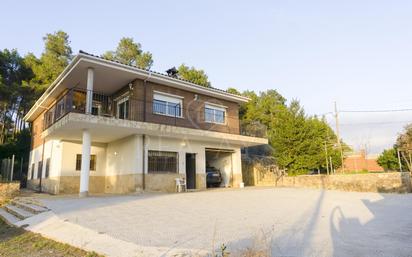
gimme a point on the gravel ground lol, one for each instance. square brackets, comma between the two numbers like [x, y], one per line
[289, 222]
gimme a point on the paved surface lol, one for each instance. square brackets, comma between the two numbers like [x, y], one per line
[288, 222]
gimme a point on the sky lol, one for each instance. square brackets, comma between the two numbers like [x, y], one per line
[357, 53]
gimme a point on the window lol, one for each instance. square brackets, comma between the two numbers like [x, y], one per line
[47, 167]
[162, 162]
[32, 171]
[79, 162]
[166, 104]
[60, 108]
[39, 169]
[123, 108]
[215, 114]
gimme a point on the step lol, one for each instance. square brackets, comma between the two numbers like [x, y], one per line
[8, 217]
[30, 207]
[16, 211]
[29, 201]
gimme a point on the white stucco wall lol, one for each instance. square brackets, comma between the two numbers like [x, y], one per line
[125, 156]
[71, 149]
[52, 150]
[183, 146]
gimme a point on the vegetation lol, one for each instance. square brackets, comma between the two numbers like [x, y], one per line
[388, 159]
[193, 75]
[131, 53]
[297, 140]
[17, 242]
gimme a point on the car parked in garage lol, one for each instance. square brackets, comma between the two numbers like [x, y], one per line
[213, 177]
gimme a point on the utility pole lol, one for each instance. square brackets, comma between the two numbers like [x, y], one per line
[326, 156]
[338, 136]
[399, 160]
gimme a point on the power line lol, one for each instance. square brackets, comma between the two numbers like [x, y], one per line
[375, 123]
[369, 111]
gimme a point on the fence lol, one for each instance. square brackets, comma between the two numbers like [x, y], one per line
[12, 168]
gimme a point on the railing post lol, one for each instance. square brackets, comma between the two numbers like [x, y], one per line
[89, 93]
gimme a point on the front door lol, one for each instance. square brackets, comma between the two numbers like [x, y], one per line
[191, 170]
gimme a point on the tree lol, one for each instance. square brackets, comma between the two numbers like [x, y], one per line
[14, 93]
[55, 57]
[404, 145]
[233, 90]
[297, 140]
[388, 159]
[130, 53]
[193, 75]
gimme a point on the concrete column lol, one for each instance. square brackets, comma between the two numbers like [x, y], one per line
[89, 95]
[85, 168]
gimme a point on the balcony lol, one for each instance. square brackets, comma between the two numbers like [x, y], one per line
[129, 107]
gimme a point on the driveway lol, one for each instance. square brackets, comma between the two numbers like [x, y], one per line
[287, 222]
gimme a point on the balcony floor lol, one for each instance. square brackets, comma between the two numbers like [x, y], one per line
[105, 129]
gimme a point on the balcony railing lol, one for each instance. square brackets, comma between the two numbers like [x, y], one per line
[128, 107]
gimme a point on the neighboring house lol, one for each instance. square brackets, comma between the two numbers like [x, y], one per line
[106, 127]
[362, 162]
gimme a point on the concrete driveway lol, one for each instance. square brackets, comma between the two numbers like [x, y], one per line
[288, 222]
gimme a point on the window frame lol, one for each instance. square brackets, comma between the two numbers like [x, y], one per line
[47, 169]
[171, 101]
[33, 165]
[126, 110]
[93, 162]
[214, 108]
[39, 169]
[157, 171]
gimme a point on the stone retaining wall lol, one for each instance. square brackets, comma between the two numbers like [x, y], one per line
[394, 182]
[8, 191]
[255, 174]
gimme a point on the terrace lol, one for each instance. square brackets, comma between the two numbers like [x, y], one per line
[133, 108]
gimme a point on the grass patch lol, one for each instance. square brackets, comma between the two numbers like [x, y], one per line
[17, 242]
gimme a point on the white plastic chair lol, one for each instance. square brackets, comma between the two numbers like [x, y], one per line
[180, 185]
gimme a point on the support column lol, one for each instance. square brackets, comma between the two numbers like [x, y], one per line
[85, 168]
[89, 93]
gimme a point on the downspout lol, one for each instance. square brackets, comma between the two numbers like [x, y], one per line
[144, 136]
[42, 165]
[144, 163]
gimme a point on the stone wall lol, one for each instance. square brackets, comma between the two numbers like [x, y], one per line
[8, 191]
[392, 182]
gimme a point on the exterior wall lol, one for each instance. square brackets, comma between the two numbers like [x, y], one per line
[52, 150]
[71, 149]
[124, 165]
[183, 146]
[119, 165]
[37, 129]
[193, 110]
[360, 162]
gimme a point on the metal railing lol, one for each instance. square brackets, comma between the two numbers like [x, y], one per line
[128, 107]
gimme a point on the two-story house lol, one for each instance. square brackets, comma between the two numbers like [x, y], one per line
[107, 127]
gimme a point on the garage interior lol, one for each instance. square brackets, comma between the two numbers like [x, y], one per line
[222, 160]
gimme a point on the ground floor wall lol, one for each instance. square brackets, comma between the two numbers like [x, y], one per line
[120, 166]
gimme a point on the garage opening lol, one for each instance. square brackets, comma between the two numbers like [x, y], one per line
[219, 167]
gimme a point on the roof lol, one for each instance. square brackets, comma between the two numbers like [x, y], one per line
[154, 72]
[151, 75]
